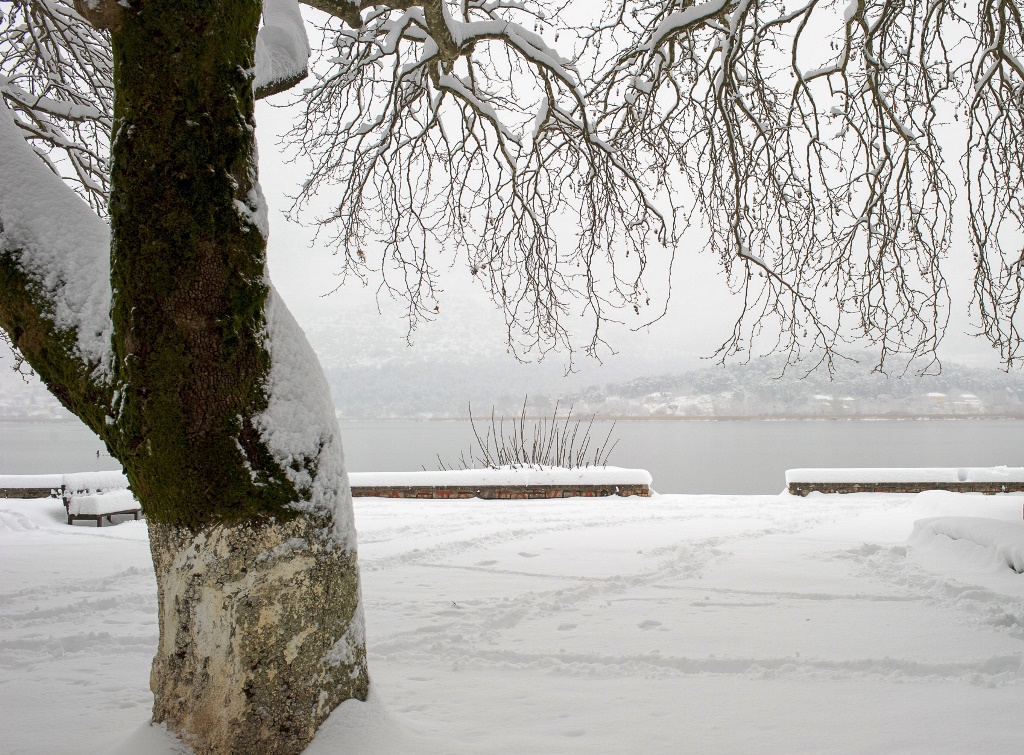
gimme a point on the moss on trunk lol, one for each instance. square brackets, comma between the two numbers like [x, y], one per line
[27, 317]
[188, 264]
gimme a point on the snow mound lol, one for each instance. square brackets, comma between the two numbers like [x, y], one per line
[369, 728]
[13, 521]
[999, 542]
[354, 728]
[152, 739]
[932, 504]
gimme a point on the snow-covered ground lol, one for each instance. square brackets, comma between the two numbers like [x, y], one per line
[671, 624]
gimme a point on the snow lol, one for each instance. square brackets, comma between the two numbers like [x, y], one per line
[505, 476]
[1000, 542]
[253, 210]
[867, 622]
[51, 481]
[102, 503]
[282, 48]
[94, 481]
[64, 245]
[680, 20]
[299, 425]
[908, 474]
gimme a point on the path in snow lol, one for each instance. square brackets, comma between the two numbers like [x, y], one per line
[676, 623]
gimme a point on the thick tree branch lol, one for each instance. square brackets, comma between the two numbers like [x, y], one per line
[50, 303]
[282, 49]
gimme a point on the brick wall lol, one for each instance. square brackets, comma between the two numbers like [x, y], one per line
[500, 492]
[803, 488]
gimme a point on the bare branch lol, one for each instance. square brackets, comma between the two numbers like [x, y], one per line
[819, 176]
[439, 134]
[56, 75]
[994, 166]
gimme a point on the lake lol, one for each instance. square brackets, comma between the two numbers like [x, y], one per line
[715, 456]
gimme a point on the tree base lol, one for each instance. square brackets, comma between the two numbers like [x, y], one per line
[261, 634]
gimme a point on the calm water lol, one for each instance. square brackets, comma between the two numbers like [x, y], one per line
[727, 456]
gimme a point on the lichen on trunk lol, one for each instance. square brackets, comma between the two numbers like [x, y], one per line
[251, 656]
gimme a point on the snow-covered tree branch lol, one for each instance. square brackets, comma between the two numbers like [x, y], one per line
[805, 137]
[810, 137]
[54, 279]
[56, 75]
[550, 146]
[434, 129]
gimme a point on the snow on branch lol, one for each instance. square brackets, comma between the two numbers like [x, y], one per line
[812, 140]
[994, 165]
[58, 244]
[282, 49]
[805, 136]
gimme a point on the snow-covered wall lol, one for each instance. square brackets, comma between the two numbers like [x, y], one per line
[506, 476]
[906, 474]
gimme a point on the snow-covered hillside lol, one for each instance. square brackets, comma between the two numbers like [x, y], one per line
[714, 624]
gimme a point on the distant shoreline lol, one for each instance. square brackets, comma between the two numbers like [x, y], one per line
[636, 418]
[715, 418]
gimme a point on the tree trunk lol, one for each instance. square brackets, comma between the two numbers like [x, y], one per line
[261, 634]
[230, 446]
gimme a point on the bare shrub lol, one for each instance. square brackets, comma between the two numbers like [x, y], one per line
[521, 443]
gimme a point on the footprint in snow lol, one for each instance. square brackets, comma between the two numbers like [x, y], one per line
[649, 624]
[486, 563]
[566, 627]
[524, 554]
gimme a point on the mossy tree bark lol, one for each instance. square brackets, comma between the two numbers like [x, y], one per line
[187, 264]
[260, 623]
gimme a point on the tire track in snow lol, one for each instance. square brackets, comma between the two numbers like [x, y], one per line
[468, 633]
[114, 614]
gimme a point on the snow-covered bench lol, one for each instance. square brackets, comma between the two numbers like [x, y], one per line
[905, 480]
[98, 496]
